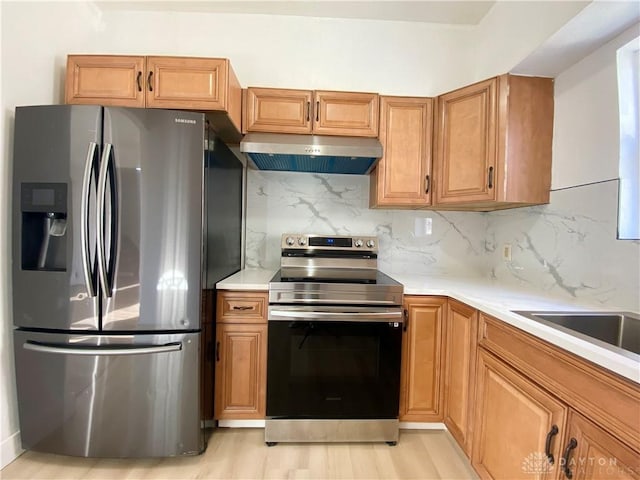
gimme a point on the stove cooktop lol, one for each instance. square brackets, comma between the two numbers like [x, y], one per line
[375, 277]
[348, 287]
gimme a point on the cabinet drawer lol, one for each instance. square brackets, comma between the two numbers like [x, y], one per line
[587, 388]
[242, 307]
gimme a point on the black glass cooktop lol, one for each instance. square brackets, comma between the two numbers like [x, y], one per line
[373, 277]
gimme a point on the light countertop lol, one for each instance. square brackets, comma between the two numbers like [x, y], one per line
[491, 298]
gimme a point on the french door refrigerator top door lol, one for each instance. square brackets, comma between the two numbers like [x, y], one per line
[56, 153]
[107, 218]
[152, 176]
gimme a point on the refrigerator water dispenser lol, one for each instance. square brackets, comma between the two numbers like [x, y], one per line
[44, 226]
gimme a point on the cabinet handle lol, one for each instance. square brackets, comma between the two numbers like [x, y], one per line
[149, 81]
[241, 307]
[573, 443]
[547, 446]
[308, 111]
[490, 177]
[138, 78]
[218, 351]
[317, 111]
[427, 184]
[406, 319]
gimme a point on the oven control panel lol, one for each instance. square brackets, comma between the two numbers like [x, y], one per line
[301, 241]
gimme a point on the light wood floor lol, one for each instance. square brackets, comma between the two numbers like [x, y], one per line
[242, 454]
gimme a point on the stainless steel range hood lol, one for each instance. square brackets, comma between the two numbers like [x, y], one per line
[312, 153]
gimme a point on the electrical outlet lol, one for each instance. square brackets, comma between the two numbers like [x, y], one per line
[506, 252]
[422, 226]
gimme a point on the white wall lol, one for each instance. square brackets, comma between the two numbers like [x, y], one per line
[586, 124]
[388, 57]
[512, 30]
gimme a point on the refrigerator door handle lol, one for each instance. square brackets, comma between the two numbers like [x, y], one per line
[84, 218]
[102, 187]
[100, 351]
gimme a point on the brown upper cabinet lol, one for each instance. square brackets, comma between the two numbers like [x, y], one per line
[493, 144]
[277, 110]
[187, 83]
[402, 178]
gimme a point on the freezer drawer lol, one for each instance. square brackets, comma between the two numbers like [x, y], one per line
[109, 395]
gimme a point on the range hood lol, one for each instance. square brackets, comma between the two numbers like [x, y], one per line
[312, 153]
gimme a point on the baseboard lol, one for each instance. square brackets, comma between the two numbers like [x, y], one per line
[241, 423]
[10, 449]
[422, 426]
[260, 424]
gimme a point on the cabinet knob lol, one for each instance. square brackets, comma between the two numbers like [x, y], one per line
[149, 84]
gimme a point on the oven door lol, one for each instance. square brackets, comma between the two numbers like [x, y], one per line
[333, 362]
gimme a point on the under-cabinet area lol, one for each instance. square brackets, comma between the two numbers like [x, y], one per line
[516, 405]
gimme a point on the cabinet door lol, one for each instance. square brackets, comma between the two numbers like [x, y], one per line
[420, 384]
[461, 346]
[277, 110]
[590, 453]
[402, 177]
[189, 83]
[514, 417]
[345, 113]
[465, 158]
[241, 360]
[105, 80]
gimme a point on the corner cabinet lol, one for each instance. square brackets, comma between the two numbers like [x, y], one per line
[187, 83]
[402, 177]
[241, 356]
[493, 143]
[319, 112]
[421, 393]
[543, 413]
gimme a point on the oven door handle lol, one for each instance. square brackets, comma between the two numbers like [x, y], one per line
[338, 316]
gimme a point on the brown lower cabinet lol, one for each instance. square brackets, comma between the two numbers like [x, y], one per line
[421, 391]
[532, 400]
[514, 419]
[596, 453]
[461, 340]
[240, 356]
[241, 374]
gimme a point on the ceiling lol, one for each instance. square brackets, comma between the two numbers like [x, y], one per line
[449, 12]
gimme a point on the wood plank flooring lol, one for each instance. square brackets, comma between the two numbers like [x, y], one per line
[242, 454]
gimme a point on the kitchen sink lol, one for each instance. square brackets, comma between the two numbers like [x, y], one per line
[618, 329]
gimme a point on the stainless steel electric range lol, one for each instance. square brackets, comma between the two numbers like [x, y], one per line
[334, 343]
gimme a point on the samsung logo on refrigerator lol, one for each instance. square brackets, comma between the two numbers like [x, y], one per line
[185, 120]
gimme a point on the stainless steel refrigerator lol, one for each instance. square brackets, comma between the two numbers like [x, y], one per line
[107, 275]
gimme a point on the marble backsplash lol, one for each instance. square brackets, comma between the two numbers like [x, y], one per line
[289, 202]
[567, 248]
